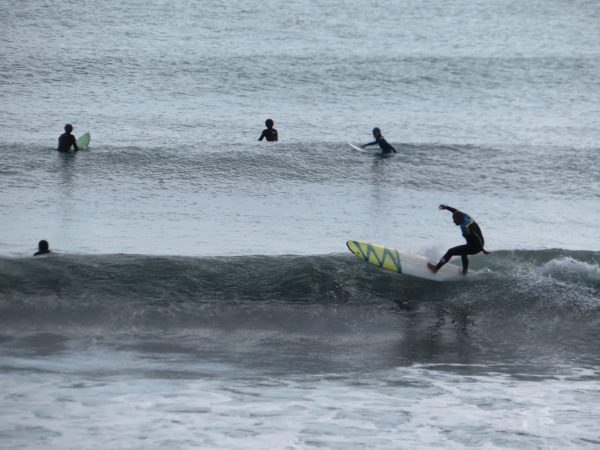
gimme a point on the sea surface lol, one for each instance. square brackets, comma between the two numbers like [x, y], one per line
[200, 293]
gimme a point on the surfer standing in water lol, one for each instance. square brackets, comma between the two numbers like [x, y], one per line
[386, 148]
[471, 232]
[269, 133]
[66, 140]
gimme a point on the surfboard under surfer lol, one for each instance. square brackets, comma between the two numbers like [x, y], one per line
[472, 234]
[67, 140]
[385, 147]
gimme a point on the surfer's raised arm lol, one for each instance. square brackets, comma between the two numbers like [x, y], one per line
[449, 208]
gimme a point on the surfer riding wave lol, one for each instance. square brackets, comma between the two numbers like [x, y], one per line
[472, 234]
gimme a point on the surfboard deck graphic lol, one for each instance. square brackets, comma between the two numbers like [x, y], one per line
[405, 263]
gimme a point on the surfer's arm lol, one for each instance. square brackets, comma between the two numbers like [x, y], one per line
[449, 208]
[74, 143]
[370, 143]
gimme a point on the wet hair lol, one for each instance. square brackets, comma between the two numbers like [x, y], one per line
[68, 128]
[43, 245]
[376, 130]
[269, 123]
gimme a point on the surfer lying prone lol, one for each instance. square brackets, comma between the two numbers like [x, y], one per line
[472, 234]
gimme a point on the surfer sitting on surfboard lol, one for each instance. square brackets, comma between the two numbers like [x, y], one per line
[66, 140]
[269, 133]
[472, 234]
[383, 144]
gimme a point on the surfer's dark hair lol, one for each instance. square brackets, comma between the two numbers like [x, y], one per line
[68, 128]
[269, 123]
[43, 245]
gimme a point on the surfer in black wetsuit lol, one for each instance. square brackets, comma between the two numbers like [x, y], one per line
[67, 140]
[270, 133]
[43, 248]
[386, 148]
[473, 235]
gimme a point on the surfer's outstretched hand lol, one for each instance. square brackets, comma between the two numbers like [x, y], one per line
[443, 206]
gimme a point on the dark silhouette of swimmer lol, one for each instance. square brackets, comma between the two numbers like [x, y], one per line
[67, 140]
[43, 248]
[269, 133]
[380, 140]
[472, 234]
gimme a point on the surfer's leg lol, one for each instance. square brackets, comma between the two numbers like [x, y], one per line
[469, 250]
[462, 251]
[465, 263]
[454, 251]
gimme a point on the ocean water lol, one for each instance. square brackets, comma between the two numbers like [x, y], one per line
[200, 294]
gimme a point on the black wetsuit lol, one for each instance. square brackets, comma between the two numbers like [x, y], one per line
[474, 237]
[65, 141]
[270, 134]
[383, 144]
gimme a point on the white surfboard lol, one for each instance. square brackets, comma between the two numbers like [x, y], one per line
[84, 141]
[406, 263]
[358, 149]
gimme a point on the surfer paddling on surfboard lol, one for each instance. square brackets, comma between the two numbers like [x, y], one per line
[473, 235]
[380, 140]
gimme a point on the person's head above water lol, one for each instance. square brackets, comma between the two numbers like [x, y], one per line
[43, 247]
[68, 128]
[376, 132]
[458, 217]
[269, 123]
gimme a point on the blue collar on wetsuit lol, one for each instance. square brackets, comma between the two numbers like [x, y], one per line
[466, 223]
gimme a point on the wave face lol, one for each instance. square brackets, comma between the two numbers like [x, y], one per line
[528, 303]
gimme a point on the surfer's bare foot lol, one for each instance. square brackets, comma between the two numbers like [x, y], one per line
[432, 267]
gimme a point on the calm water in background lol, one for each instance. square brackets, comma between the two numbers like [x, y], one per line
[156, 325]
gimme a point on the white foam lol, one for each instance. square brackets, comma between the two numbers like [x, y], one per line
[567, 266]
[412, 407]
